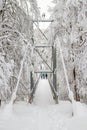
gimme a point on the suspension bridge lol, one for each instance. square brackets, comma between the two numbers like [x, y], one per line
[49, 69]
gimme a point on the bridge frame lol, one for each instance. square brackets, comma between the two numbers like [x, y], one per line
[52, 69]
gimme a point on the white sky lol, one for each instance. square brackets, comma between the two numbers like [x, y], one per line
[44, 4]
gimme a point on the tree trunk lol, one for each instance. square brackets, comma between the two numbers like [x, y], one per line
[77, 97]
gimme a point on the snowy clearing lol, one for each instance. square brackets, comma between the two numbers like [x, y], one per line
[38, 116]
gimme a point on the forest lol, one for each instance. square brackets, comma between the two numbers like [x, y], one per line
[29, 49]
[16, 31]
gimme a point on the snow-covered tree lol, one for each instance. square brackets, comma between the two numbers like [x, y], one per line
[15, 35]
[70, 27]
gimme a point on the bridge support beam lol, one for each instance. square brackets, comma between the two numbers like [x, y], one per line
[51, 69]
[54, 73]
[31, 81]
[31, 87]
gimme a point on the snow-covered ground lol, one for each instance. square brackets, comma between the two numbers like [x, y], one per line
[44, 116]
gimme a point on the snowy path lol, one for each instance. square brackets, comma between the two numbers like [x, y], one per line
[43, 114]
[43, 95]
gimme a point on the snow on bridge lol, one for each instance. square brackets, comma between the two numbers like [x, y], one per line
[43, 94]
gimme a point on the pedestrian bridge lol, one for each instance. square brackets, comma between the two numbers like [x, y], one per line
[43, 95]
[49, 63]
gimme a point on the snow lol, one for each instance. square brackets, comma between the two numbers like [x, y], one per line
[19, 76]
[78, 123]
[32, 117]
[53, 117]
[1, 4]
[43, 114]
[43, 95]
[67, 80]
